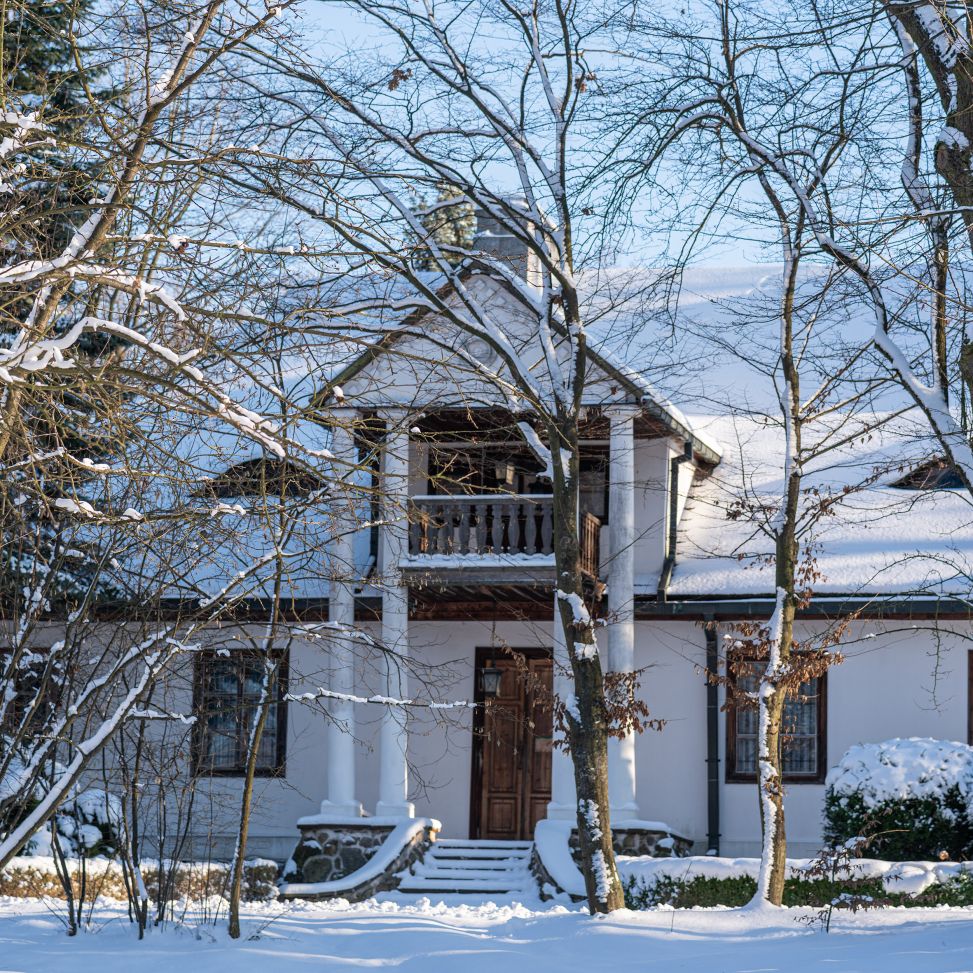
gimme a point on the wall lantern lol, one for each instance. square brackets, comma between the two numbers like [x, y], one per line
[490, 678]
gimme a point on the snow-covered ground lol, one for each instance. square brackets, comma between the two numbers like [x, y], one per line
[416, 936]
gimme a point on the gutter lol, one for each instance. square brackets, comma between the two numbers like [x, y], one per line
[670, 560]
[712, 742]
[702, 449]
[735, 608]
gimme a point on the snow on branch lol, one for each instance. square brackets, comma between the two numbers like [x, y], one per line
[321, 693]
[579, 611]
[538, 448]
[154, 714]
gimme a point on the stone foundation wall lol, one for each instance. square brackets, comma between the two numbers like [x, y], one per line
[326, 852]
[547, 888]
[329, 852]
[637, 842]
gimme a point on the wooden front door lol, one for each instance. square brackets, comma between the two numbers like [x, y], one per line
[512, 748]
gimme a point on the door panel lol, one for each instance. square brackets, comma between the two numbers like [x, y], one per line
[513, 742]
[541, 729]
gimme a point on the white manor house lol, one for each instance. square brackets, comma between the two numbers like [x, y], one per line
[453, 583]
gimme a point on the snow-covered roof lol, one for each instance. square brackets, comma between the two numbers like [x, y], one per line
[876, 539]
[614, 303]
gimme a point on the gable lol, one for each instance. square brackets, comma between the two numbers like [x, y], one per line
[424, 364]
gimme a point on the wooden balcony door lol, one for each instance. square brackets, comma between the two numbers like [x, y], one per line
[512, 748]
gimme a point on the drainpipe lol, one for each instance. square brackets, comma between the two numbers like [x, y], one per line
[712, 742]
[670, 560]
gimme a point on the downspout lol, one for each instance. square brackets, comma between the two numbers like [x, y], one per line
[670, 559]
[712, 741]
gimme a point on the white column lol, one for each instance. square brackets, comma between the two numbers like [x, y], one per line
[564, 795]
[342, 800]
[393, 791]
[621, 595]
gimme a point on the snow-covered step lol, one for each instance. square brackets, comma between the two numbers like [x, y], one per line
[474, 886]
[482, 843]
[475, 867]
[479, 856]
[485, 853]
[512, 876]
[481, 864]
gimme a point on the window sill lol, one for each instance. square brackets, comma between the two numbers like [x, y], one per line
[241, 773]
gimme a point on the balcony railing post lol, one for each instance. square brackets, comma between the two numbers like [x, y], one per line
[547, 529]
[415, 530]
[443, 532]
[530, 527]
[513, 531]
[464, 511]
[481, 532]
[496, 528]
[484, 525]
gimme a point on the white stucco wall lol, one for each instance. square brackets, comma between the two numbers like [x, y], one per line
[651, 499]
[904, 681]
[896, 681]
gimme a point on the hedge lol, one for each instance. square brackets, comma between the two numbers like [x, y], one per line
[738, 890]
[29, 877]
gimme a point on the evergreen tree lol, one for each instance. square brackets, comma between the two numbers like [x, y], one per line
[58, 420]
[451, 225]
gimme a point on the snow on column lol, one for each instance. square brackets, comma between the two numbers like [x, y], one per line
[342, 800]
[393, 791]
[564, 801]
[621, 593]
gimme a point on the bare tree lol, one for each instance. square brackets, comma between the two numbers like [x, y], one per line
[507, 135]
[758, 113]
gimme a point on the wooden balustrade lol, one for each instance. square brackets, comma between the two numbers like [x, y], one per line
[590, 544]
[445, 526]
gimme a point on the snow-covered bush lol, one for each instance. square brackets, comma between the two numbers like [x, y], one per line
[91, 821]
[36, 876]
[915, 795]
[87, 825]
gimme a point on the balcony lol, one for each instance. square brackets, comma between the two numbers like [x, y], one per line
[490, 538]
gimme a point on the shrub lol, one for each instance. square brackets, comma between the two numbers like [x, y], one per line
[87, 824]
[738, 890]
[31, 877]
[914, 796]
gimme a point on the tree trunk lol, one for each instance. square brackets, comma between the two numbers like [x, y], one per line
[586, 715]
[774, 686]
[260, 721]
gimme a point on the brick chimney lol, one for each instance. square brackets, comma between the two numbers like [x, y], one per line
[493, 238]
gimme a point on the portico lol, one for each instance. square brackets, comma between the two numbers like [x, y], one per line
[458, 543]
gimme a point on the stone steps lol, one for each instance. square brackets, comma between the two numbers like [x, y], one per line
[471, 866]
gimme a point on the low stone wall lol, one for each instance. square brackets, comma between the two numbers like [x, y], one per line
[547, 887]
[640, 841]
[326, 852]
[556, 858]
[354, 859]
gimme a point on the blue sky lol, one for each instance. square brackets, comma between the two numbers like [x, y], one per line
[342, 31]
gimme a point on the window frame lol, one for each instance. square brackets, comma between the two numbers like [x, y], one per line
[200, 767]
[733, 776]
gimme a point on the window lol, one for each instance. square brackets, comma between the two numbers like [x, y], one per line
[934, 474]
[804, 731]
[227, 695]
[268, 476]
